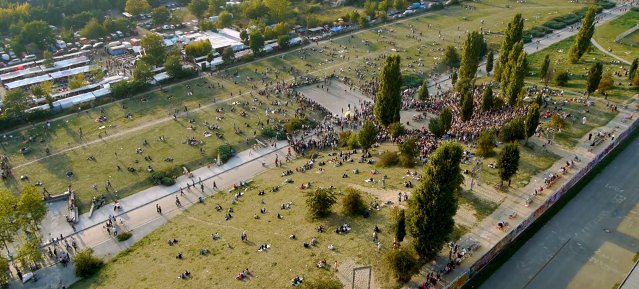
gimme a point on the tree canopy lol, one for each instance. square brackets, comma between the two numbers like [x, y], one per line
[153, 46]
[582, 39]
[256, 42]
[136, 7]
[508, 161]
[513, 34]
[388, 100]
[434, 203]
[451, 57]
[31, 207]
[594, 77]
[367, 135]
[320, 201]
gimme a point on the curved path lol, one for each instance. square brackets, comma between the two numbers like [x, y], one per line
[596, 44]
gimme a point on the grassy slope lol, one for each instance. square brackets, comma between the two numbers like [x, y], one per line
[607, 33]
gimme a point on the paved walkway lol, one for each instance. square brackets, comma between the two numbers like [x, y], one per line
[598, 46]
[139, 214]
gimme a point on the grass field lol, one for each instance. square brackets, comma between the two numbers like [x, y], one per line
[606, 34]
[151, 263]
[532, 161]
[596, 115]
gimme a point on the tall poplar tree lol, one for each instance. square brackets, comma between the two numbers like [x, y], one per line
[490, 60]
[594, 77]
[388, 100]
[545, 70]
[513, 34]
[582, 39]
[473, 46]
[633, 68]
[513, 72]
[508, 162]
[434, 203]
[532, 120]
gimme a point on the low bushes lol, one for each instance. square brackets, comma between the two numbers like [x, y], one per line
[86, 264]
[124, 236]
[162, 178]
[352, 203]
[225, 152]
[402, 263]
[388, 159]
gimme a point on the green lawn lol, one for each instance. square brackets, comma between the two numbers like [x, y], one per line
[606, 34]
[597, 115]
[533, 159]
[151, 263]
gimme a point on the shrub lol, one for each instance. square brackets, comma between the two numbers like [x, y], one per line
[162, 178]
[396, 129]
[353, 141]
[557, 121]
[536, 33]
[344, 138]
[606, 83]
[322, 284]
[86, 264]
[436, 127]
[498, 103]
[561, 78]
[407, 152]
[607, 5]
[553, 24]
[406, 161]
[512, 130]
[399, 224]
[411, 80]
[388, 159]
[167, 181]
[268, 132]
[124, 236]
[225, 151]
[352, 203]
[486, 143]
[320, 201]
[292, 125]
[437, 6]
[402, 263]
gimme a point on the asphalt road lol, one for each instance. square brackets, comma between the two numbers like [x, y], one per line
[590, 243]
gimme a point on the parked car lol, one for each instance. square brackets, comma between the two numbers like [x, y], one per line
[14, 61]
[29, 57]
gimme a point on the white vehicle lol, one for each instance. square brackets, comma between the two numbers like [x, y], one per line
[30, 57]
[165, 27]
[98, 44]
[86, 47]
[6, 57]
[114, 43]
[120, 34]
[14, 62]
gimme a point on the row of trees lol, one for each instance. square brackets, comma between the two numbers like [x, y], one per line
[21, 217]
